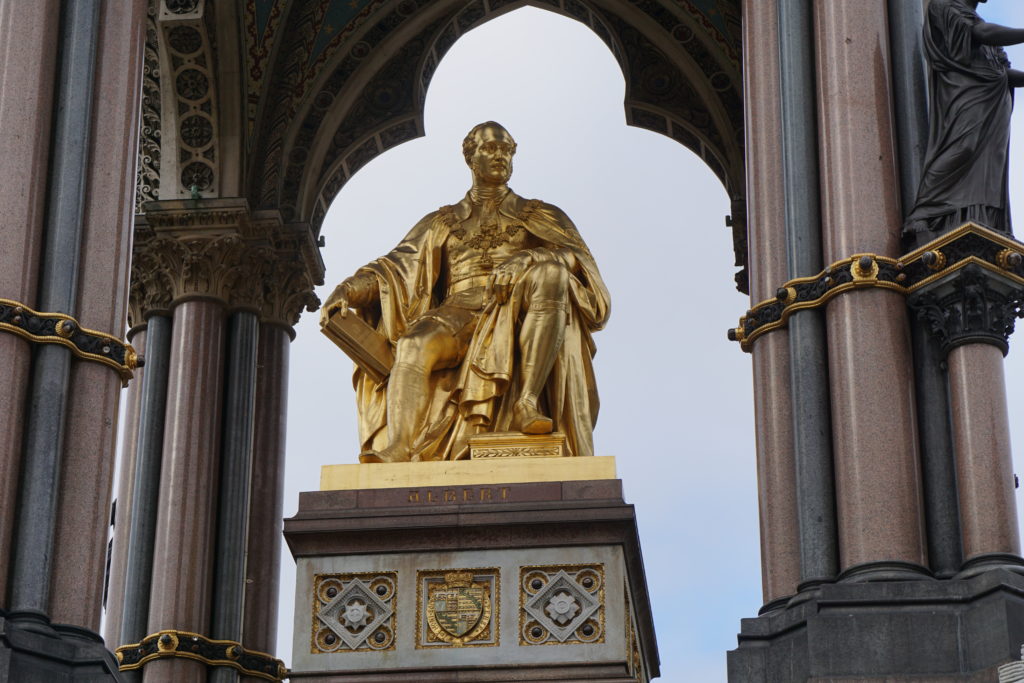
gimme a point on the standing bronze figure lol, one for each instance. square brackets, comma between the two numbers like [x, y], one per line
[488, 306]
[971, 99]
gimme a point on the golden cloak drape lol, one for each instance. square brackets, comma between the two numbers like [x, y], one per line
[477, 396]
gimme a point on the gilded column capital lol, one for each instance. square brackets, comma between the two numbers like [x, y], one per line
[218, 249]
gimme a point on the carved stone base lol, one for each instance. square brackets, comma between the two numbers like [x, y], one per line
[939, 631]
[32, 650]
[537, 581]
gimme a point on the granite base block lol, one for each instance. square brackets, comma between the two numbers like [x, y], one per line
[519, 582]
[930, 630]
[32, 650]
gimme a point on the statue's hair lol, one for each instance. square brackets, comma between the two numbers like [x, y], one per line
[469, 142]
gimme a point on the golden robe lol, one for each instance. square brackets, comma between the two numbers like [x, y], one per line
[477, 396]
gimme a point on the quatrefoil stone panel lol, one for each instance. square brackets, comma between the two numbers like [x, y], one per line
[561, 604]
[354, 612]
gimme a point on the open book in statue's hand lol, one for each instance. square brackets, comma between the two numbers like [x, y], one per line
[366, 346]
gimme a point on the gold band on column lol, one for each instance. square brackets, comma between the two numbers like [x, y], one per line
[58, 328]
[968, 244]
[188, 645]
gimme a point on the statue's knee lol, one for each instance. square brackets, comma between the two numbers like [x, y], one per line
[416, 347]
[549, 279]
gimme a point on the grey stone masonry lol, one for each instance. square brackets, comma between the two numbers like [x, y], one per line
[524, 582]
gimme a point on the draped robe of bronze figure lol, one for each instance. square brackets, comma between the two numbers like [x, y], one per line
[489, 305]
[964, 175]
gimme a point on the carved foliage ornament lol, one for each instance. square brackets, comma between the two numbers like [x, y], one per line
[243, 273]
[970, 306]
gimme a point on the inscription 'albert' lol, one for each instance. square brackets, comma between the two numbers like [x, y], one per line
[472, 494]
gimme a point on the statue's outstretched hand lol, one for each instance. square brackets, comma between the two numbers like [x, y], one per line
[337, 302]
[505, 274]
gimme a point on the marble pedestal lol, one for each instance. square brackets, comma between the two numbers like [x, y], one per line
[940, 631]
[470, 571]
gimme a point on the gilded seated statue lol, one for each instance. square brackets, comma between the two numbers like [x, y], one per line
[488, 306]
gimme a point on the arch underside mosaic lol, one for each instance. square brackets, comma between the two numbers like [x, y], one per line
[280, 102]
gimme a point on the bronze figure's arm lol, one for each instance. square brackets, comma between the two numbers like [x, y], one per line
[1016, 78]
[993, 34]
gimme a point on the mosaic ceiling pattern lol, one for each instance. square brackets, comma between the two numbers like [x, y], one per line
[309, 128]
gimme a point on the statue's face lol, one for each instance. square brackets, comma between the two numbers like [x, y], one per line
[492, 160]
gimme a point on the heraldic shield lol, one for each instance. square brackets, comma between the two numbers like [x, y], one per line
[458, 610]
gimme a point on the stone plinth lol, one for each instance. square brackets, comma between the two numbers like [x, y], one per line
[478, 580]
[34, 650]
[955, 630]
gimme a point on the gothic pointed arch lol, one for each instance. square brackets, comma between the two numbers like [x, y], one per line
[330, 84]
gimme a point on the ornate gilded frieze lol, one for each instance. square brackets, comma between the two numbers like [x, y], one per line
[354, 612]
[969, 246]
[561, 605]
[457, 608]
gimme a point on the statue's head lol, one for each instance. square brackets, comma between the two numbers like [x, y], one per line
[488, 150]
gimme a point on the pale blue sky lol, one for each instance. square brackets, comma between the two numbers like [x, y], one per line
[676, 396]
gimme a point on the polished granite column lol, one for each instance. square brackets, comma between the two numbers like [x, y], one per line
[808, 357]
[780, 543]
[122, 504]
[984, 466]
[878, 481]
[128, 615]
[938, 473]
[28, 31]
[230, 276]
[183, 560]
[88, 458]
[233, 502]
[266, 510]
[49, 392]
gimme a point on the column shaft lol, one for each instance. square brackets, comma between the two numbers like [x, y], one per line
[50, 387]
[235, 469]
[183, 559]
[981, 433]
[266, 510]
[87, 460]
[780, 545]
[910, 94]
[28, 33]
[938, 460]
[878, 489]
[139, 537]
[123, 495]
[815, 493]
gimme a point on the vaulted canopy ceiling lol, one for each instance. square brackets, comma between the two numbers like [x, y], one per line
[282, 101]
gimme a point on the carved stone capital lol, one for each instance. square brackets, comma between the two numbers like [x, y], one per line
[288, 291]
[971, 305]
[218, 249]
